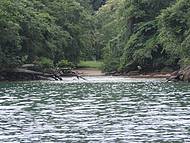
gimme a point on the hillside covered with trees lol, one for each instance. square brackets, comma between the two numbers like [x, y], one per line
[45, 31]
[150, 34]
[124, 34]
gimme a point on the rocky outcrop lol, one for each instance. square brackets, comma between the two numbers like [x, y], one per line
[181, 75]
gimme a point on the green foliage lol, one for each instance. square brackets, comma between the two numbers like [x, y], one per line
[53, 29]
[109, 23]
[113, 52]
[174, 26]
[154, 34]
[90, 64]
[45, 63]
[10, 41]
[65, 64]
[138, 42]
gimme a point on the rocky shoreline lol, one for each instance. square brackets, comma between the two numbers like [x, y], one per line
[181, 75]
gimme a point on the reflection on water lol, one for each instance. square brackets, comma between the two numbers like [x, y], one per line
[96, 110]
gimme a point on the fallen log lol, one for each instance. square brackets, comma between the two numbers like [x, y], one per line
[24, 74]
[19, 70]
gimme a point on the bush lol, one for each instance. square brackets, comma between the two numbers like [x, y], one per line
[65, 64]
[90, 64]
[45, 63]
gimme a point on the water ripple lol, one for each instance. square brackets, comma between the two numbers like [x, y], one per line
[106, 110]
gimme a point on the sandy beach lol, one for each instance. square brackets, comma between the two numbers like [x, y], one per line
[89, 72]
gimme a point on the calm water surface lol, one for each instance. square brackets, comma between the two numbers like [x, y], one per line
[105, 110]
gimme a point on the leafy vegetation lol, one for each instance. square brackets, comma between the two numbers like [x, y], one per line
[29, 30]
[65, 64]
[90, 64]
[125, 34]
[138, 43]
[45, 63]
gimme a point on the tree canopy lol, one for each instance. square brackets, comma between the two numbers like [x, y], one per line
[138, 43]
[55, 29]
[124, 34]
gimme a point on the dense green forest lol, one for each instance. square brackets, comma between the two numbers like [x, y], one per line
[124, 34]
[152, 34]
[46, 32]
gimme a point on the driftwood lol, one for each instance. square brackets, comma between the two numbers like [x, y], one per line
[77, 75]
[25, 74]
[19, 70]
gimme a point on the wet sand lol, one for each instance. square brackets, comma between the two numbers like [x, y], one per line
[97, 72]
[89, 72]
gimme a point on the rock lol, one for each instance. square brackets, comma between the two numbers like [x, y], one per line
[186, 75]
[181, 75]
[132, 73]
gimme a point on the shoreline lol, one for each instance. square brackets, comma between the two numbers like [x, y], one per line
[85, 72]
[152, 75]
[97, 72]
[89, 72]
